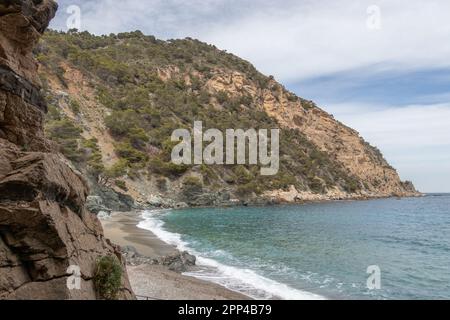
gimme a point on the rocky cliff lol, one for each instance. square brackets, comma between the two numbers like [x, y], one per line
[44, 225]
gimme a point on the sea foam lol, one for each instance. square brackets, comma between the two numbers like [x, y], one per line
[245, 281]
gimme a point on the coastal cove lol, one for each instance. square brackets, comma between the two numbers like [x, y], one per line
[234, 164]
[311, 251]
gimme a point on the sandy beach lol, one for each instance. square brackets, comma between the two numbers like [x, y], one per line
[153, 281]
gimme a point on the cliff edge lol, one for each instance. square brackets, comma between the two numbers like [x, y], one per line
[44, 226]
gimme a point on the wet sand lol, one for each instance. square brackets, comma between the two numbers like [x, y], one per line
[157, 282]
[122, 230]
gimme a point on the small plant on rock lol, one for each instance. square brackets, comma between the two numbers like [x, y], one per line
[108, 277]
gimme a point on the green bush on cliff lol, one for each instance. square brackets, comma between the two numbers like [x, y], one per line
[352, 186]
[94, 157]
[166, 168]
[222, 97]
[192, 181]
[108, 277]
[316, 185]
[126, 151]
[74, 106]
[121, 184]
[119, 169]
[192, 185]
[67, 135]
[121, 122]
[248, 188]
[137, 137]
[243, 176]
[282, 181]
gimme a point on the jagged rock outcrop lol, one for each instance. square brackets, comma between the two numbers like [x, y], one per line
[21, 104]
[45, 227]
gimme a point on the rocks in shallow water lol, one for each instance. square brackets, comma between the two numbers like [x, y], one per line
[181, 205]
[208, 199]
[155, 201]
[103, 215]
[180, 262]
[133, 258]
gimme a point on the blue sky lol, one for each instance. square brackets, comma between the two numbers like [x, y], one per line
[391, 83]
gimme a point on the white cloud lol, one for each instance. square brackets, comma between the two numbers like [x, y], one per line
[415, 139]
[314, 38]
[291, 39]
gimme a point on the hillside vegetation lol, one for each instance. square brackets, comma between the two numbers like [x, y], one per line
[115, 100]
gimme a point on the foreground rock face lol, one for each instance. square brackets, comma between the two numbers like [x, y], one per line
[21, 105]
[45, 227]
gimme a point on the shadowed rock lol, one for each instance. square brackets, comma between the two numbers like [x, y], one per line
[45, 227]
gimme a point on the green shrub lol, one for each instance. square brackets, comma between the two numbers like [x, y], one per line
[126, 151]
[117, 170]
[196, 83]
[60, 72]
[204, 97]
[166, 168]
[95, 159]
[352, 186]
[192, 186]
[53, 113]
[66, 135]
[74, 106]
[282, 181]
[246, 100]
[248, 189]
[209, 175]
[138, 137]
[121, 122]
[316, 185]
[222, 97]
[192, 181]
[105, 97]
[292, 98]
[108, 277]
[243, 176]
[121, 184]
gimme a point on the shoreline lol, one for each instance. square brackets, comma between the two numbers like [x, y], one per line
[286, 203]
[156, 282]
[278, 202]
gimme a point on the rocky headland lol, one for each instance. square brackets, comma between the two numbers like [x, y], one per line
[115, 100]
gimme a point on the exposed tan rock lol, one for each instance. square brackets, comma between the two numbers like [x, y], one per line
[342, 143]
[44, 225]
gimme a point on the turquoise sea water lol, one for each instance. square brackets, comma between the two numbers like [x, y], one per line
[319, 250]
